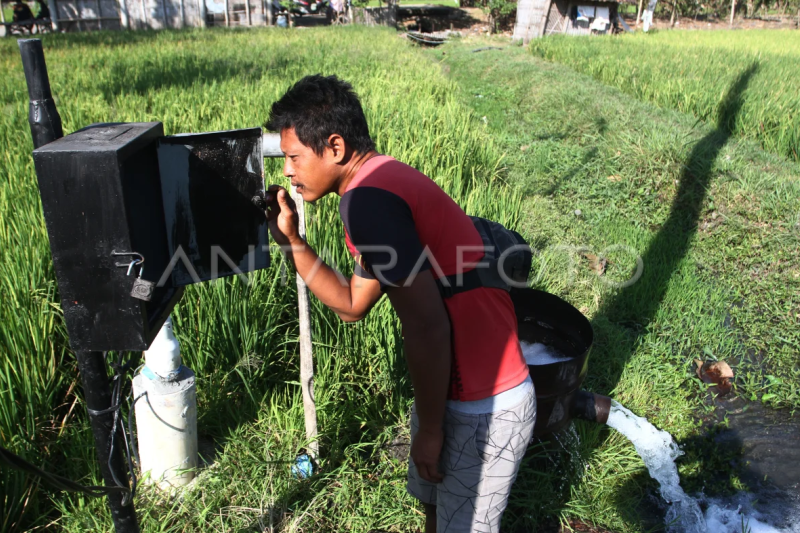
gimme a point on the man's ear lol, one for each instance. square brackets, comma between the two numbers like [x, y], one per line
[338, 147]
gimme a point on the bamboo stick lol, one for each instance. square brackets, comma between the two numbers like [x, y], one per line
[306, 354]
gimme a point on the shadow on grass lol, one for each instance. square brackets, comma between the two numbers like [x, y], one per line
[638, 303]
[588, 157]
[632, 308]
[624, 318]
[134, 77]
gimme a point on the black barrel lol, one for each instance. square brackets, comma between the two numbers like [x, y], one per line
[547, 319]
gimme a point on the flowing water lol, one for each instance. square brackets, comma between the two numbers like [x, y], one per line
[659, 451]
[538, 354]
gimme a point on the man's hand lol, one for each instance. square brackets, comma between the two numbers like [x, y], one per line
[282, 216]
[426, 340]
[425, 451]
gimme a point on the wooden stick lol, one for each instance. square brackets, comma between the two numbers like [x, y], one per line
[306, 354]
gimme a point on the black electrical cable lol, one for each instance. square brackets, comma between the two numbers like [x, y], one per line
[116, 407]
[61, 483]
[58, 482]
[130, 424]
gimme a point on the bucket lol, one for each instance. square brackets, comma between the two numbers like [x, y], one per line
[547, 319]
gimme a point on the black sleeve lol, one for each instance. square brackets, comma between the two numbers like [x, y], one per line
[381, 228]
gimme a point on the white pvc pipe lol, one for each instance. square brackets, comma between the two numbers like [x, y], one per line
[166, 413]
[271, 145]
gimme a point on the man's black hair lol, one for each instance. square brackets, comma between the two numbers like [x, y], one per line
[319, 106]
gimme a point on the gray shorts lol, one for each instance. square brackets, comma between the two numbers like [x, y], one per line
[480, 459]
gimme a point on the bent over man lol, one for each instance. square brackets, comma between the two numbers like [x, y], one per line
[474, 406]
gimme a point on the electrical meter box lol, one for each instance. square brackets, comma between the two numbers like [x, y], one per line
[134, 216]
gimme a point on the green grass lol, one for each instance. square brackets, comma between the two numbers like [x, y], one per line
[716, 223]
[713, 216]
[691, 71]
[241, 340]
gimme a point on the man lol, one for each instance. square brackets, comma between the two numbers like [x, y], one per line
[474, 407]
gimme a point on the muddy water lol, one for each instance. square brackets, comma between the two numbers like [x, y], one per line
[769, 442]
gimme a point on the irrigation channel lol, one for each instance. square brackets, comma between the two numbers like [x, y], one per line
[743, 513]
[556, 340]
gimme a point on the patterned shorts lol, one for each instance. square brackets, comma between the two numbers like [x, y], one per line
[480, 459]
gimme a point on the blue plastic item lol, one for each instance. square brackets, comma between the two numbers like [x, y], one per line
[303, 467]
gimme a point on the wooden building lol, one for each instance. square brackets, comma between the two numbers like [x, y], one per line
[537, 18]
[87, 15]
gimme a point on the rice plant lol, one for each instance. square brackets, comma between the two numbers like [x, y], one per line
[690, 72]
[240, 338]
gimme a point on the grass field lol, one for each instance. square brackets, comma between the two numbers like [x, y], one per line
[691, 71]
[241, 340]
[716, 222]
[509, 136]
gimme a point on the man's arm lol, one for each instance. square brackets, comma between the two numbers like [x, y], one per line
[350, 300]
[426, 338]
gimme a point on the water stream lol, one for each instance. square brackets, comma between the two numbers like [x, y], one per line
[684, 515]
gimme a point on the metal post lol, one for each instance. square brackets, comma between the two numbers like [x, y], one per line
[97, 395]
[268, 9]
[2, 14]
[227, 17]
[45, 128]
[247, 12]
[42, 115]
[183, 15]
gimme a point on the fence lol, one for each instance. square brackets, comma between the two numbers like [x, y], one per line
[85, 15]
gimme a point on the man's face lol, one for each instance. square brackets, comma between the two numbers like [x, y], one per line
[313, 175]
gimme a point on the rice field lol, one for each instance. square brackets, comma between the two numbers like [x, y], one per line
[509, 140]
[690, 72]
[239, 338]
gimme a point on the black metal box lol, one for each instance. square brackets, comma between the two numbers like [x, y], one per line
[103, 194]
[208, 181]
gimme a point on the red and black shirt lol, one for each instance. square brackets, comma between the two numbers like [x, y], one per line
[398, 222]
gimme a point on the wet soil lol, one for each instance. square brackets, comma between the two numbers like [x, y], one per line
[768, 441]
